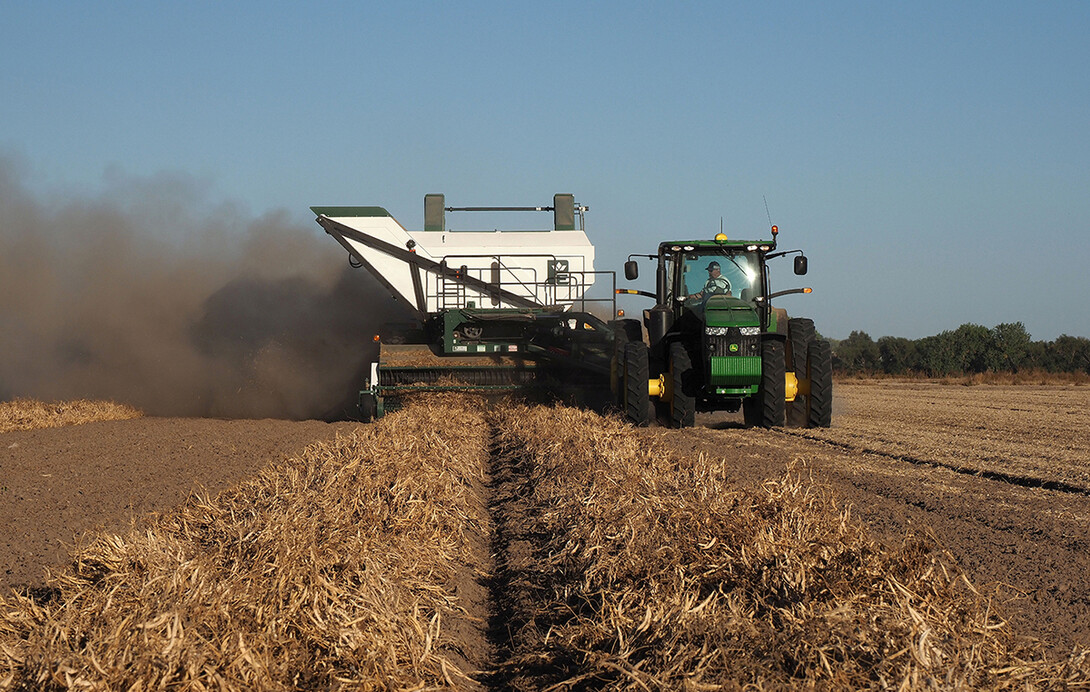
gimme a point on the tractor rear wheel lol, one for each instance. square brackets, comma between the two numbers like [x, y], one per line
[820, 401]
[636, 397]
[632, 329]
[682, 400]
[800, 334]
[766, 408]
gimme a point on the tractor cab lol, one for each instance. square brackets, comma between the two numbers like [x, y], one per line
[707, 273]
[715, 282]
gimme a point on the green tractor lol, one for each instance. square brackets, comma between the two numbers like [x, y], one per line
[718, 344]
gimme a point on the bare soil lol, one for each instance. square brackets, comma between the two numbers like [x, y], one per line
[996, 476]
[57, 485]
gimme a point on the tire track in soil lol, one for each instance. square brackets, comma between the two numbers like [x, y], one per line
[512, 552]
[518, 628]
[500, 577]
[469, 645]
[1010, 478]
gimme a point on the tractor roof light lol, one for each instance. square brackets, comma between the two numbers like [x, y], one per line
[721, 237]
[775, 230]
[765, 248]
[751, 248]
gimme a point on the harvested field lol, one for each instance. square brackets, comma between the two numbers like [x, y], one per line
[638, 569]
[60, 486]
[460, 547]
[340, 567]
[981, 471]
[30, 414]
[1036, 436]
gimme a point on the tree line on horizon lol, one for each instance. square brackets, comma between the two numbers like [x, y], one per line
[969, 349]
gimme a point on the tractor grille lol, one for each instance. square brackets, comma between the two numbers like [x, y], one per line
[720, 346]
[735, 371]
[733, 360]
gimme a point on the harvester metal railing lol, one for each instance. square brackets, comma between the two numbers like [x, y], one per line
[547, 292]
[610, 300]
[439, 280]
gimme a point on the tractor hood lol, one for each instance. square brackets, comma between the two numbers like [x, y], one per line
[723, 311]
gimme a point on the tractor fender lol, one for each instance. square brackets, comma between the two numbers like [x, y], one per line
[778, 324]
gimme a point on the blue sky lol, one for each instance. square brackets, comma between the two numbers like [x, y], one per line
[933, 159]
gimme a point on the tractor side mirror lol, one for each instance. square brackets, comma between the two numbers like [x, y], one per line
[800, 265]
[631, 270]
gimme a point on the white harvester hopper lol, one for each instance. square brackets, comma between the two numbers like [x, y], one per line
[438, 269]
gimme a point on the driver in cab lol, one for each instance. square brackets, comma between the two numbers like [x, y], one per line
[717, 284]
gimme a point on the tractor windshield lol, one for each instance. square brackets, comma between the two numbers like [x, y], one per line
[735, 274]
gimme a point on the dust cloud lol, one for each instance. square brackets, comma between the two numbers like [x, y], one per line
[151, 294]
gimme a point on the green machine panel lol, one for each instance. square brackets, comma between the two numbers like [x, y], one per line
[735, 370]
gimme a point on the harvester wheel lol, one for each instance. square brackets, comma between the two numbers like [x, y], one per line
[368, 407]
[820, 402]
[766, 408]
[636, 397]
[800, 333]
[682, 401]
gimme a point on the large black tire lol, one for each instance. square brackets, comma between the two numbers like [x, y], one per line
[636, 398]
[800, 334]
[616, 368]
[766, 408]
[368, 407]
[632, 329]
[820, 401]
[624, 331]
[683, 399]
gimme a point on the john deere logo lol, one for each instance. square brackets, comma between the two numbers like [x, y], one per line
[734, 348]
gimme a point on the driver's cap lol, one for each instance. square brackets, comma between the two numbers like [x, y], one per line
[713, 265]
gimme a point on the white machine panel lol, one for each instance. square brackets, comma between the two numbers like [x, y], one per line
[551, 268]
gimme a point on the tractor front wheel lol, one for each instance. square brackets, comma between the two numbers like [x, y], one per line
[682, 401]
[624, 332]
[766, 408]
